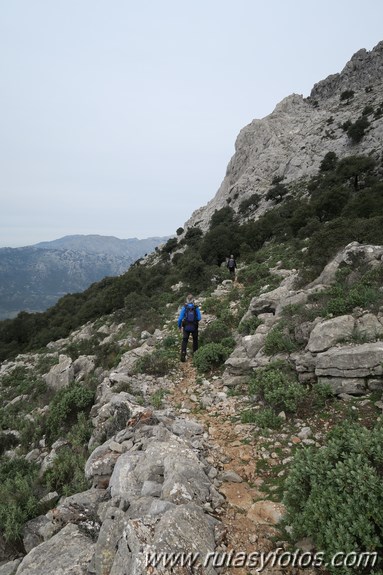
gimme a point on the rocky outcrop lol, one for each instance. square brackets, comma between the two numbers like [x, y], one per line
[152, 492]
[68, 552]
[341, 351]
[291, 142]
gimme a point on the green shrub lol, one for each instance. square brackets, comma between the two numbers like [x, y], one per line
[249, 204]
[169, 342]
[321, 393]
[158, 363]
[18, 480]
[265, 418]
[357, 130]
[248, 326]
[66, 475]
[215, 332]
[335, 494]
[65, 407]
[279, 340]
[7, 441]
[344, 296]
[157, 397]
[21, 381]
[347, 95]
[278, 387]
[210, 356]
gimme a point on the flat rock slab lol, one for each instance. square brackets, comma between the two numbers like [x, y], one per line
[67, 553]
[351, 361]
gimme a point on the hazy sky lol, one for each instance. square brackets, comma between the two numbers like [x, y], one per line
[119, 117]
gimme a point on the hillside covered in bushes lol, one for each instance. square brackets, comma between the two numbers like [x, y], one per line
[270, 435]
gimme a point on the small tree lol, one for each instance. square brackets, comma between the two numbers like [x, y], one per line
[347, 96]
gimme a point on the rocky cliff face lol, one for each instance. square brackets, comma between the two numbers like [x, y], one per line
[292, 141]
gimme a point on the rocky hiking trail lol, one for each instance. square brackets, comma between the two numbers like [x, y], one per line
[248, 514]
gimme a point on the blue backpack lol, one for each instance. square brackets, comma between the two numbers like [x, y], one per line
[189, 321]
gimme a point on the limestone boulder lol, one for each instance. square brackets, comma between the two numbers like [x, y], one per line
[69, 552]
[340, 385]
[61, 374]
[329, 332]
[352, 361]
[368, 327]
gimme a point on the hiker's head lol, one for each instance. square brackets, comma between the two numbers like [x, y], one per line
[232, 257]
[190, 298]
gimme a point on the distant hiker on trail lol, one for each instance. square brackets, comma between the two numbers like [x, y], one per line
[231, 265]
[188, 323]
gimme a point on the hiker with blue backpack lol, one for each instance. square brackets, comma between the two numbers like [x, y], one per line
[188, 320]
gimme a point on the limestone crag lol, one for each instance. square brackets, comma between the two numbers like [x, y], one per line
[291, 142]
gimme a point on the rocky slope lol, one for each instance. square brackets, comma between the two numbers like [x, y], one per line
[291, 142]
[175, 462]
[176, 475]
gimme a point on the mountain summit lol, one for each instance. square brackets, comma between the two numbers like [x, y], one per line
[290, 143]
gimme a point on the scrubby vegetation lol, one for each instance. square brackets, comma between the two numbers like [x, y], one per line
[303, 229]
[343, 203]
[335, 495]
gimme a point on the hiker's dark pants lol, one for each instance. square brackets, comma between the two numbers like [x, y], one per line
[185, 339]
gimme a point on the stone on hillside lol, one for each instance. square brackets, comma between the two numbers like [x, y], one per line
[375, 384]
[329, 332]
[266, 512]
[238, 365]
[351, 361]
[253, 343]
[61, 374]
[112, 416]
[186, 427]
[129, 358]
[10, 567]
[349, 386]
[183, 528]
[303, 361]
[106, 546]
[69, 552]
[368, 327]
[230, 476]
[83, 366]
[100, 464]
[33, 532]
[268, 302]
[348, 255]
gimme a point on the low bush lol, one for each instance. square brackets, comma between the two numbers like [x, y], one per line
[248, 326]
[265, 418]
[215, 332]
[278, 387]
[157, 363]
[157, 397]
[18, 503]
[66, 475]
[334, 495]
[279, 340]
[210, 356]
[65, 407]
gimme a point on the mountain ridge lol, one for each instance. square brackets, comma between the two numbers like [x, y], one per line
[34, 277]
[291, 142]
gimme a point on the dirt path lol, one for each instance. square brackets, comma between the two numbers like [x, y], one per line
[232, 449]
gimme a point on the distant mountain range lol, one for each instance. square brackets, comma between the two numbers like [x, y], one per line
[33, 278]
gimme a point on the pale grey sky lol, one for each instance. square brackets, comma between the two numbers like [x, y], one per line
[119, 117]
